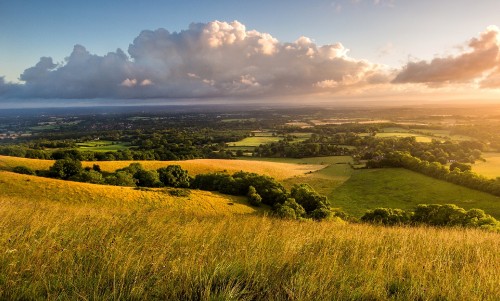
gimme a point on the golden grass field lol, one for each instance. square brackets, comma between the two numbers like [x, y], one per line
[17, 188]
[65, 240]
[276, 170]
[490, 168]
[57, 251]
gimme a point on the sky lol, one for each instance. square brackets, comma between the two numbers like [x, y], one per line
[113, 52]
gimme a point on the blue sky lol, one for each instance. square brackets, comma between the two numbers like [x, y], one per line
[389, 32]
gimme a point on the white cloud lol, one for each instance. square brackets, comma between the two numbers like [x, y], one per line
[217, 59]
[480, 60]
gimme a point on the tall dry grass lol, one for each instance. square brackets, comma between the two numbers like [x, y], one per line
[52, 250]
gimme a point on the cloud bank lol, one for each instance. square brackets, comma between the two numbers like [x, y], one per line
[225, 60]
[216, 59]
[480, 63]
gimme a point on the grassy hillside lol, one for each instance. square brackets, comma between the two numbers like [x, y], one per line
[54, 250]
[490, 168]
[16, 188]
[356, 191]
[276, 170]
[401, 188]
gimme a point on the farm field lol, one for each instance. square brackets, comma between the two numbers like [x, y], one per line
[105, 249]
[102, 146]
[490, 168]
[255, 141]
[418, 137]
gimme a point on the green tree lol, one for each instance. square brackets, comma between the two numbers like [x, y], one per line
[174, 176]
[290, 209]
[461, 166]
[88, 176]
[148, 178]
[23, 170]
[387, 216]
[121, 178]
[253, 197]
[305, 195]
[65, 168]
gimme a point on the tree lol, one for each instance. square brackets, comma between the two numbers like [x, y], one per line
[253, 197]
[290, 209]
[461, 166]
[23, 170]
[121, 178]
[148, 178]
[133, 168]
[174, 176]
[305, 195]
[65, 168]
[88, 176]
[387, 216]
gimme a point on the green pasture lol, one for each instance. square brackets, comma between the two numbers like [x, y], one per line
[255, 141]
[103, 146]
[359, 190]
[401, 188]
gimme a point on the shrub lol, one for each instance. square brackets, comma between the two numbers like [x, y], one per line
[253, 197]
[148, 178]
[179, 192]
[88, 176]
[65, 168]
[387, 216]
[308, 198]
[174, 176]
[132, 169]
[121, 178]
[290, 209]
[23, 170]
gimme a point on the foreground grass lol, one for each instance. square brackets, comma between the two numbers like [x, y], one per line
[51, 250]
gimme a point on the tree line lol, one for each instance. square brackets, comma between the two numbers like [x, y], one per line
[448, 215]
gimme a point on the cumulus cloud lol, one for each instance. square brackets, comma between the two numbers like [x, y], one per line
[215, 59]
[480, 60]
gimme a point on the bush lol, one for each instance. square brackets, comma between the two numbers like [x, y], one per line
[253, 197]
[174, 176]
[209, 181]
[23, 170]
[148, 178]
[65, 168]
[121, 178]
[179, 192]
[321, 213]
[308, 198]
[132, 169]
[290, 209]
[387, 216]
[88, 176]
[448, 215]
